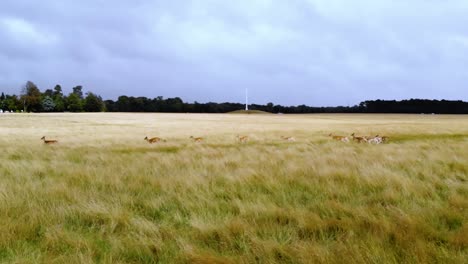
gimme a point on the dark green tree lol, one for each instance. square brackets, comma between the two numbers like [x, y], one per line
[74, 103]
[123, 104]
[59, 104]
[78, 90]
[58, 90]
[59, 100]
[2, 102]
[31, 97]
[12, 103]
[93, 103]
[48, 92]
[269, 107]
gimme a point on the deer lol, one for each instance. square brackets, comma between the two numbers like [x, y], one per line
[49, 141]
[154, 140]
[292, 139]
[197, 139]
[242, 139]
[339, 138]
[359, 139]
[375, 140]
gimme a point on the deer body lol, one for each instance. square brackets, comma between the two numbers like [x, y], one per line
[339, 138]
[292, 139]
[375, 140]
[242, 139]
[359, 139]
[196, 139]
[49, 141]
[154, 139]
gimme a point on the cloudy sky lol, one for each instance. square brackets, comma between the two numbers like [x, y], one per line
[314, 52]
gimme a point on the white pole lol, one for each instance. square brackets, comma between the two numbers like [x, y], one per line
[246, 99]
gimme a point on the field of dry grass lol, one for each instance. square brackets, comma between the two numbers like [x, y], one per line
[104, 195]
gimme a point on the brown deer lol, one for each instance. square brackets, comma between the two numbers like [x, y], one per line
[292, 139]
[242, 139]
[384, 139]
[49, 141]
[197, 139]
[154, 140]
[359, 139]
[339, 138]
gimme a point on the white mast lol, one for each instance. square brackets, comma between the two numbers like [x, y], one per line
[246, 99]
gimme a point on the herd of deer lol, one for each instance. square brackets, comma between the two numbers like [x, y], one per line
[243, 139]
[369, 139]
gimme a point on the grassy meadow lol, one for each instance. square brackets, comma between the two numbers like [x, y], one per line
[104, 195]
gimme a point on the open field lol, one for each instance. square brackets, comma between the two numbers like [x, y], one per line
[104, 195]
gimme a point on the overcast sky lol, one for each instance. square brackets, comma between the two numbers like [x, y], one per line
[313, 52]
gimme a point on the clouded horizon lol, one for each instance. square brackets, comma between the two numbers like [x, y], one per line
[313, 52]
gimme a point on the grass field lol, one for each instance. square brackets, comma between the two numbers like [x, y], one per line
[104, 195]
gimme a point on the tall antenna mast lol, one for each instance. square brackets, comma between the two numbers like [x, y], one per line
[246, 99]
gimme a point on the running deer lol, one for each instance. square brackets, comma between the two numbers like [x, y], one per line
[49, 141]
[339, 138]
[154, 140]
[242, 139]
[358, 139]
[375, 140]
[292, 139]
[197, 139]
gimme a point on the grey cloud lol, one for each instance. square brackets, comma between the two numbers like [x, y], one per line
[290, 52]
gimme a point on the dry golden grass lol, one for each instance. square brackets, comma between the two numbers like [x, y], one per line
[104, 195]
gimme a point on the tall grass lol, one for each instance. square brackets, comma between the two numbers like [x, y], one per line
[104, 195]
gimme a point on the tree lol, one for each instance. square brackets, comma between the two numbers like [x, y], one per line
[93, 103]
[269, 107]
[48, 92]
[78, 90]
[74, 103]
[123, 104]
[59, 104]
[58, 90]
[58, 99]
[2, 102]
[31, 97]
[75, 99]
[174, 105]
[11, 103]
[48, 104]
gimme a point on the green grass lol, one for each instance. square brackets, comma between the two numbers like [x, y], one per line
[104, 195]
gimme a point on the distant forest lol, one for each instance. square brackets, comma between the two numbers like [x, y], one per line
[31, 99]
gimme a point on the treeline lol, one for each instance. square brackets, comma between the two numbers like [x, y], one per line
[414, 106]
[31, 99]
[158, 104]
